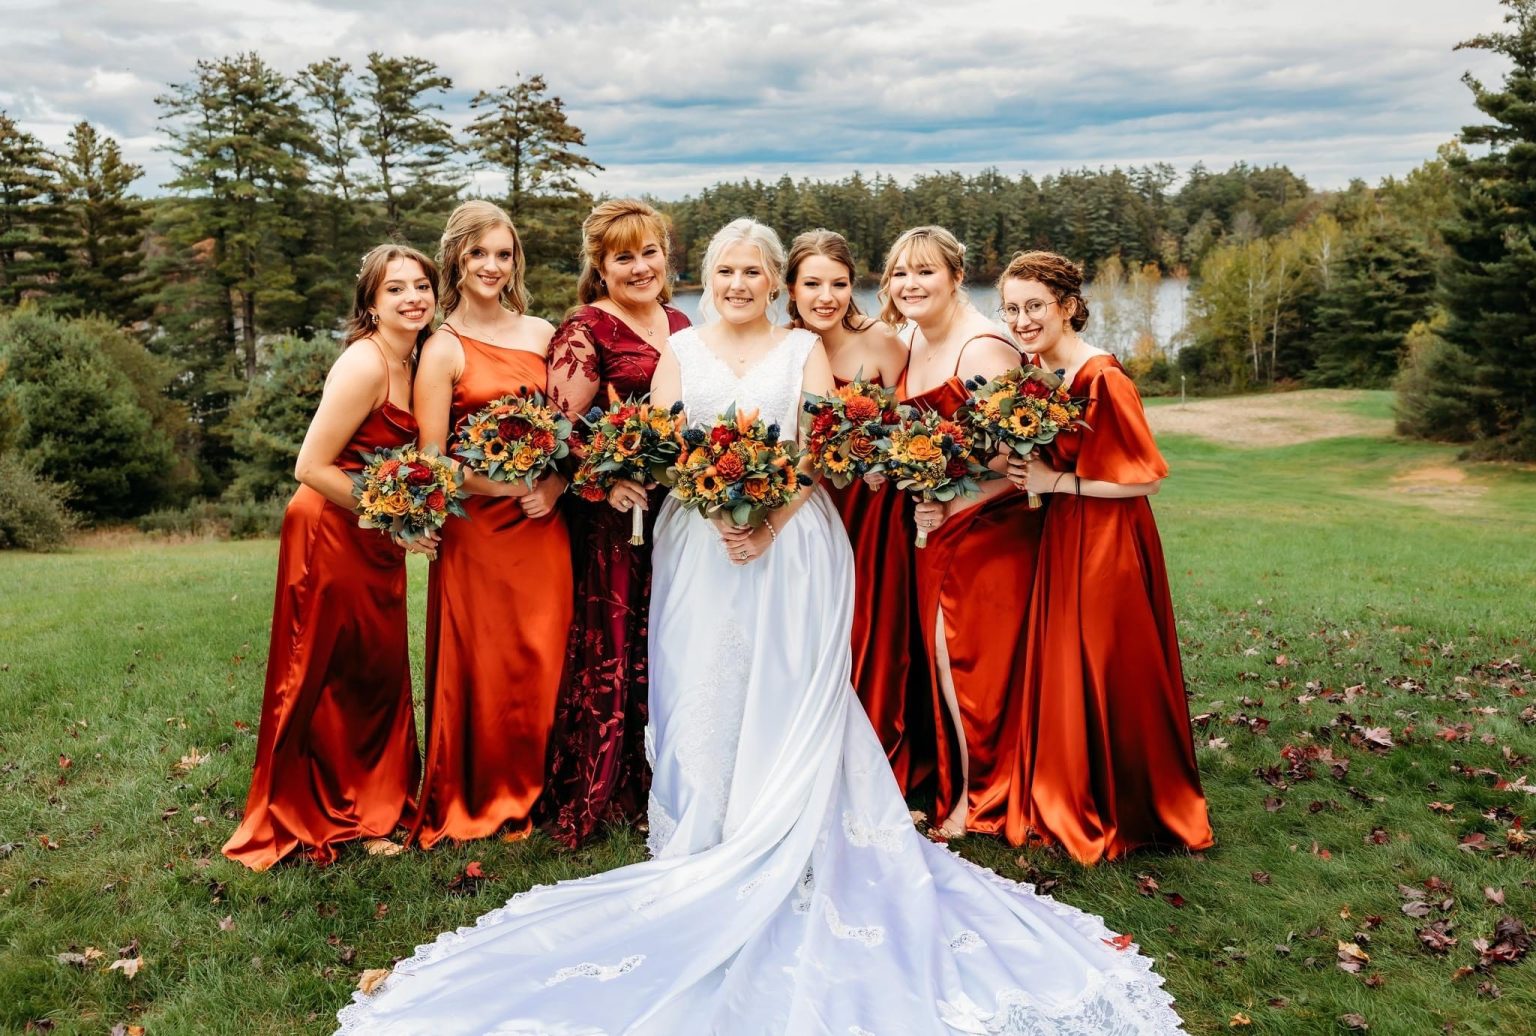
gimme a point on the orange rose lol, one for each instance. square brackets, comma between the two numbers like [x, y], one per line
[730, 467]
[756, 487]
[921, 448]
[861, 446]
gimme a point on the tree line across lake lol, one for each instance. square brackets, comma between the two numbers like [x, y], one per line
[160, 356]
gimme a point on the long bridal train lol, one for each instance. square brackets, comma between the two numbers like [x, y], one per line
[788, 892]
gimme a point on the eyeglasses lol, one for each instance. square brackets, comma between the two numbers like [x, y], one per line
[1034, 309]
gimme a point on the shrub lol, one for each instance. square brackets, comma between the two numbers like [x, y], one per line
[235, 519]
[76, 394]
[268, 424]
[32, 511]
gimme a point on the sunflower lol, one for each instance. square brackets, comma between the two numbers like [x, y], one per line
[495, 449]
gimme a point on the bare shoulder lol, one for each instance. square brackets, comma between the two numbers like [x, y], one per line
[359, 369]
[442, 349]
[536, 331]
[886, 346]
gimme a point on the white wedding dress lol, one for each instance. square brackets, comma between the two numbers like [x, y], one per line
[789, 893]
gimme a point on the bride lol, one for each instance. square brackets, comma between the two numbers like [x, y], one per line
[788, 892]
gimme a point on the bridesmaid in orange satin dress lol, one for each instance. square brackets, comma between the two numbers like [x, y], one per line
[975, 576]
[819, 273]
[499, 597]
[336, 755]
[1107, 761]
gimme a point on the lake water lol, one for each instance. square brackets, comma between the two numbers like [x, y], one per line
[1118, 316]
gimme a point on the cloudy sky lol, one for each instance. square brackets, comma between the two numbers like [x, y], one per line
[674, 96]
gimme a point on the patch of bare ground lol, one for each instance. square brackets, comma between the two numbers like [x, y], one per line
[1439, 486]
[1277, 419]
[128, 537]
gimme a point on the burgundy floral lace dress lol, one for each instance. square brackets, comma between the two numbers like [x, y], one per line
[597, 769]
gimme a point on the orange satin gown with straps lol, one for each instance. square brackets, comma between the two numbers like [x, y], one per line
[889, 670]
[979, 568]
[336, 754]
[1107, 762]
[499, 604]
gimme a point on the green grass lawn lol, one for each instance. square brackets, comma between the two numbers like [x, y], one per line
[1357, 645]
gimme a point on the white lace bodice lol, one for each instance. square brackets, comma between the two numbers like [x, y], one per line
[771, 386]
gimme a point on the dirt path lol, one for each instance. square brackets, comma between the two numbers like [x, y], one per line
[1276, 419]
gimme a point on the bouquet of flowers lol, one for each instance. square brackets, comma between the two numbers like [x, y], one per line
[932, 457]
[518, 437]
[739, 468]
[630, 440]
[846, 431]
[407, 491]
[1022, 409]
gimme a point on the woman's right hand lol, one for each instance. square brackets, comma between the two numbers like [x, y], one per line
[626, 495]
[874, 480]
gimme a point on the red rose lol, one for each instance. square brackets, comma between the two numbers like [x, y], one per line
[957, 468]
[722, 436]
[593, 492]
[730, 467]
[435, 500]
[1036, 389]
[624, 413]
[544, 440]
[418, 474]
[823, 422]
[890, 417]
[512, 428]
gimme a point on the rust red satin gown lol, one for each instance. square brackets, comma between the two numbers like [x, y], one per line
[979, 566]
[888, 660]
[1108, 762]
[336, 753]
[498, 610]
[597, 769]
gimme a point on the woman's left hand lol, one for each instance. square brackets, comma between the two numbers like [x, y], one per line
[745, 544]
[540, 500]
[929, 514]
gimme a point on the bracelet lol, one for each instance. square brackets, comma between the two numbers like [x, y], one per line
[1077, 484]
[772, 535]
[1059, 477]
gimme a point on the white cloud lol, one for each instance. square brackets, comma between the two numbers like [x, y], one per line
[675, 96]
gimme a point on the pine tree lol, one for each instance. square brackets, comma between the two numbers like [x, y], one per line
[1383, 286]
[411, 148]
[1488, 283]
[339, 227]
[100, 230]
[25, 182]
[525, 133]
[242, 149]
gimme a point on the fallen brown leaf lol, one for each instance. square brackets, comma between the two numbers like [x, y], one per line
[129, 966]
[1239, 1020]
[1493, 895]
[1354, 1021]
[369, 980]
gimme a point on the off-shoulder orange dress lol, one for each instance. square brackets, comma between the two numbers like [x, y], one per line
[336, 753]
[979, 568]
[1107, 762]
[498, 611]
[889, 666]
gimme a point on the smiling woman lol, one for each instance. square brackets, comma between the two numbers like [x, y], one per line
[499, 598]
[336, 758]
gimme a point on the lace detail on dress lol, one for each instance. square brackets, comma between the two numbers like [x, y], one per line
[662, 825]
[601, 972]
[966, 942]
[869, 935]
[771, 386]
[708, 724]
[757, 880]
[859, 1030]
[804, 890]
[891, 839]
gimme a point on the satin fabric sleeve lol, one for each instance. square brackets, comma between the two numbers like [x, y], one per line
[575, 367]
[1119, 447]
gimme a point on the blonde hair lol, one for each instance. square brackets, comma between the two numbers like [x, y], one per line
[737, 231]
[620, 225]
[833, 246]
[921, 245]
[466, 225]
[370, 277]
